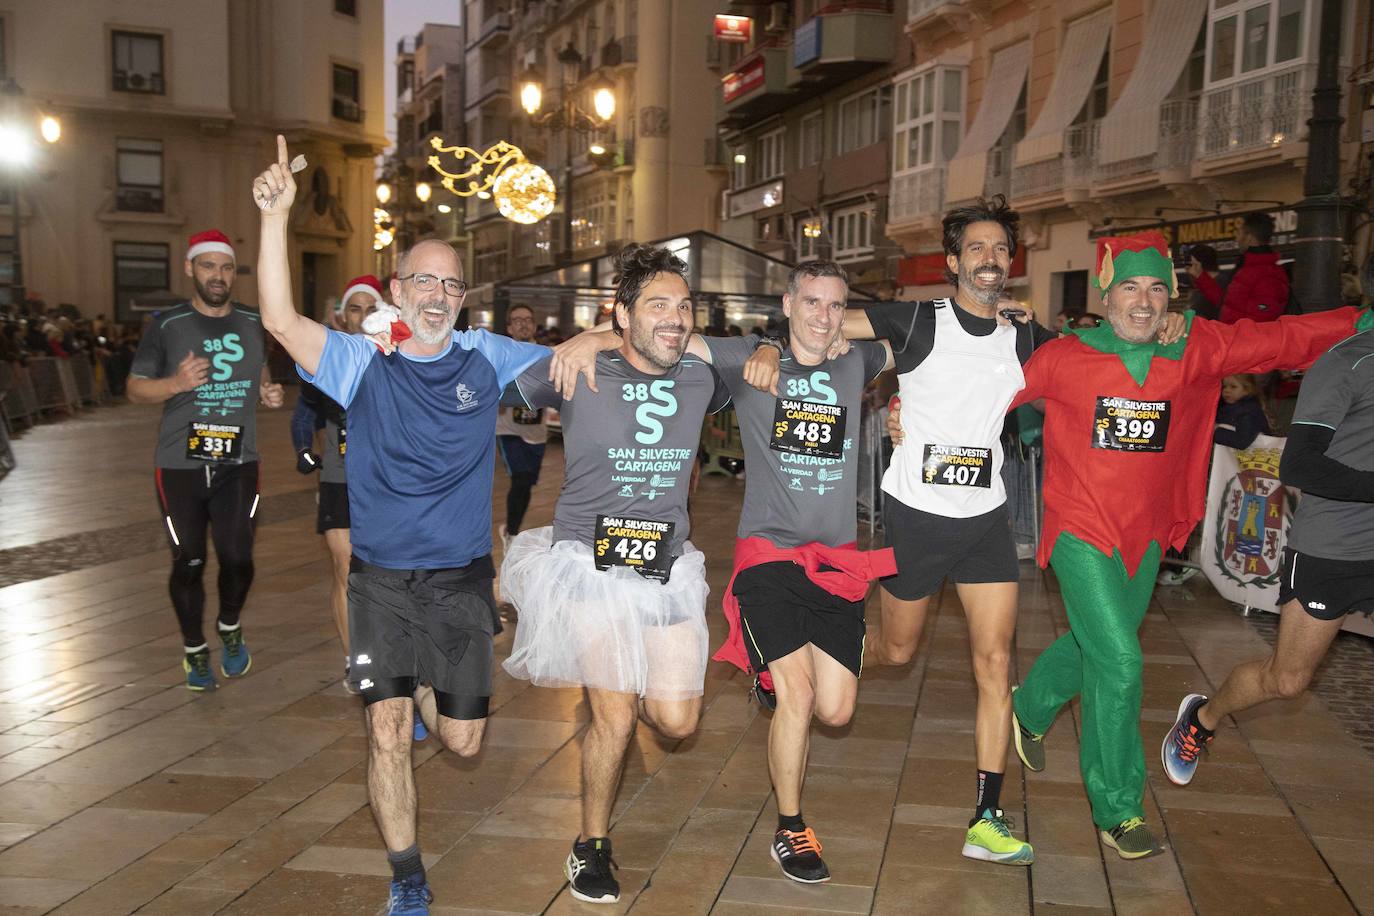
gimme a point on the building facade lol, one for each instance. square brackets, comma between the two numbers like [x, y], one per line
[169, 108]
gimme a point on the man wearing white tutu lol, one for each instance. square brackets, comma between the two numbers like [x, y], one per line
[613, 597]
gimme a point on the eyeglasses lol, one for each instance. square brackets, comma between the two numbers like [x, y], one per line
[428, 283]
[520, 319]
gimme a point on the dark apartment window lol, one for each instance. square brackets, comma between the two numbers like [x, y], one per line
[346, 85]
[138, 168]
[347, 7]
[139, 268]
[4, 58]
[137, 62]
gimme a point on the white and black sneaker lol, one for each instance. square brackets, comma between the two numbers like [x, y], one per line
[798, 853]
[588, 870]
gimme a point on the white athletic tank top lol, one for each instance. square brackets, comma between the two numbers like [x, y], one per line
[953, 407]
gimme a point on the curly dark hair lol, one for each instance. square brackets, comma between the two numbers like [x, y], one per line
[635, 266]
[984, 210]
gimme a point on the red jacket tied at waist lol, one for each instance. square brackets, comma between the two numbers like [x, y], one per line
[850, 570]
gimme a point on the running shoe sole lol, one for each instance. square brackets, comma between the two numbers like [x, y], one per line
[774, 853]
[1020, 751]
[1023, 856]
[572, 889]
[1129, 856]
[1164, 746]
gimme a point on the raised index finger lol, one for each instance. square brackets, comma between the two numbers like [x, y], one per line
[281, 151]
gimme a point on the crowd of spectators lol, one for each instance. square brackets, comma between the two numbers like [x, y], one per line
[33, 330]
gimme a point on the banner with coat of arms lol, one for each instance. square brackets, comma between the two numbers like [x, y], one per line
[1246, 526]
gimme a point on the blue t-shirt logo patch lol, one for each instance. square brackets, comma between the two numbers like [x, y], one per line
[467, 398]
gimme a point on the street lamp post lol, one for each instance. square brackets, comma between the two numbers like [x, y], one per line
[568, 117]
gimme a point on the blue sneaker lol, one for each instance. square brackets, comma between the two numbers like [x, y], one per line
[421, 733]
[235, 659]
[198, 674]
[409, 897]
[1184, 742]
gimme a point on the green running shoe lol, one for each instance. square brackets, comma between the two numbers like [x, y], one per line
[1030, 747]
[197, 667]
[1131, 839]
[990, 840]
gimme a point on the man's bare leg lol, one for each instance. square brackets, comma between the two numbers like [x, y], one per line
[1302, 644]
[900, 634]
[390, 781]
[340, 552]
[614, 716]
[990, 609]
[672, 718]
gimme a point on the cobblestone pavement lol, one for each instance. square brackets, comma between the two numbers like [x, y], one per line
[122, 792]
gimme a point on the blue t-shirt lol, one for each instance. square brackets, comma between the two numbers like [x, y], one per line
[421, 443]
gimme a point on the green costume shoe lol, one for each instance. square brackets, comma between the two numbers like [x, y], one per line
[1131, 839]
[990, 840]
[1030, 747]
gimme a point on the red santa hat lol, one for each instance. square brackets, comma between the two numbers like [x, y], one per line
[367, 283]
[211, 240]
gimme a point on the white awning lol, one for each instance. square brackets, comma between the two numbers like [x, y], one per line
[1001, 88]
[1079, 56]
[1131, 129]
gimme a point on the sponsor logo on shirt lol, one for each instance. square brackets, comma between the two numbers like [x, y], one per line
[467, 398]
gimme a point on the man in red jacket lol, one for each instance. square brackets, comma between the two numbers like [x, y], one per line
[1258, 288]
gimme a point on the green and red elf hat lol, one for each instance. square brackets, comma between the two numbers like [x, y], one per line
[1145, 254]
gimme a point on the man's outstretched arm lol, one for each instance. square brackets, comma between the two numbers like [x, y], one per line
[274, 191]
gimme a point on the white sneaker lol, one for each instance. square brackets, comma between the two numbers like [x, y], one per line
[1176, 576]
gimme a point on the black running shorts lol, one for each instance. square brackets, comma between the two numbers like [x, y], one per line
[1326, 589]
[432, 626]
[333, 512]
[782, 610]
[930, 548]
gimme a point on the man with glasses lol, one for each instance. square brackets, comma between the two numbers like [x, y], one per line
[421, 437]
[520, 435]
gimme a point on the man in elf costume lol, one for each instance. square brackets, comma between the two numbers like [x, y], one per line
[1128, 432]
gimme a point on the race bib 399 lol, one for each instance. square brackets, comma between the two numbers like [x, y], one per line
[1124, 425]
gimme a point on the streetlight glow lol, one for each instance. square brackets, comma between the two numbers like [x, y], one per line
[423, 191]
[444, 208]
[383, 192]
[596, 149]
[51, 129]
[531, 97]
[603, 100]
[15, 148]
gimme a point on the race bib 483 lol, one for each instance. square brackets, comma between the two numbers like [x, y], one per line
[1124, 425]
[808, 428]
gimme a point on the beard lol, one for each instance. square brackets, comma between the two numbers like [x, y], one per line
[425, 330]
[988, 296]
[216, 294]
[644, 342]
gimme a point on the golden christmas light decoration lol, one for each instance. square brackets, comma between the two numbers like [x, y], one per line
[524, 193]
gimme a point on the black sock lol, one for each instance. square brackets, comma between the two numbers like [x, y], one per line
[792, 822]
[1194, 721]
[406, 864]
[989, 793]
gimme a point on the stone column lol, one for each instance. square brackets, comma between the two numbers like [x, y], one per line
[651, 97]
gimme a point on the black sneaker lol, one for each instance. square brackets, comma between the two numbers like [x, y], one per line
[588, 870]
[763, 691]
[799, 855]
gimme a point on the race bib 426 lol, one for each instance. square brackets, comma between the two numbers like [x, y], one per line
[641, 544]
[1125, 425]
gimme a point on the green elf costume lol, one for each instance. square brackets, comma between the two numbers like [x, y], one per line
[1128, 434]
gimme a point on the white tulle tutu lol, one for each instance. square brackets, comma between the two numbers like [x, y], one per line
[609, 629]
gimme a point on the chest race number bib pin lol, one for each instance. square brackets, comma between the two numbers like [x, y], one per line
[638, 543]
[1124, 425]
[957, 466]
[213, 442]
[808, 428]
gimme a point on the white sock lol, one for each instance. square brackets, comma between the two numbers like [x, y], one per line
[223, 629]
[192, 650]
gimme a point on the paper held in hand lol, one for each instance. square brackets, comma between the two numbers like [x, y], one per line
[297, 165]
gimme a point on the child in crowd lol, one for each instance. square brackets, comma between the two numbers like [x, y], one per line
[1242, 413]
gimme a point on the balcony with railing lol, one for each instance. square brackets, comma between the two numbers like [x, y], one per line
[843, 40]
[493, 32]
[490, 91]
[1072, 169]
[1176, 141]
[757, 87]
[997, 175]
[916, 196]
[937, 15]
[1256, 114]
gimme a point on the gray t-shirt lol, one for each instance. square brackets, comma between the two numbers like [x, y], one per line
[1338, 393]
[216, 421]
[628, 449]
[335, 443]
[793, 494]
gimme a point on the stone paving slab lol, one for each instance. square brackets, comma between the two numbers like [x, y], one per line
[121, 792]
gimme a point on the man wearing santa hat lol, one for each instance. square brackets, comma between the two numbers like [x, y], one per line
[314, 410]
[1128, 434]
[204, 361]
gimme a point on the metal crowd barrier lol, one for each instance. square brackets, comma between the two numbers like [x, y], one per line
[54, 384]
[6, 453]
[873, 461]
[1022, 470]
[20, 401]
[89, 381]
